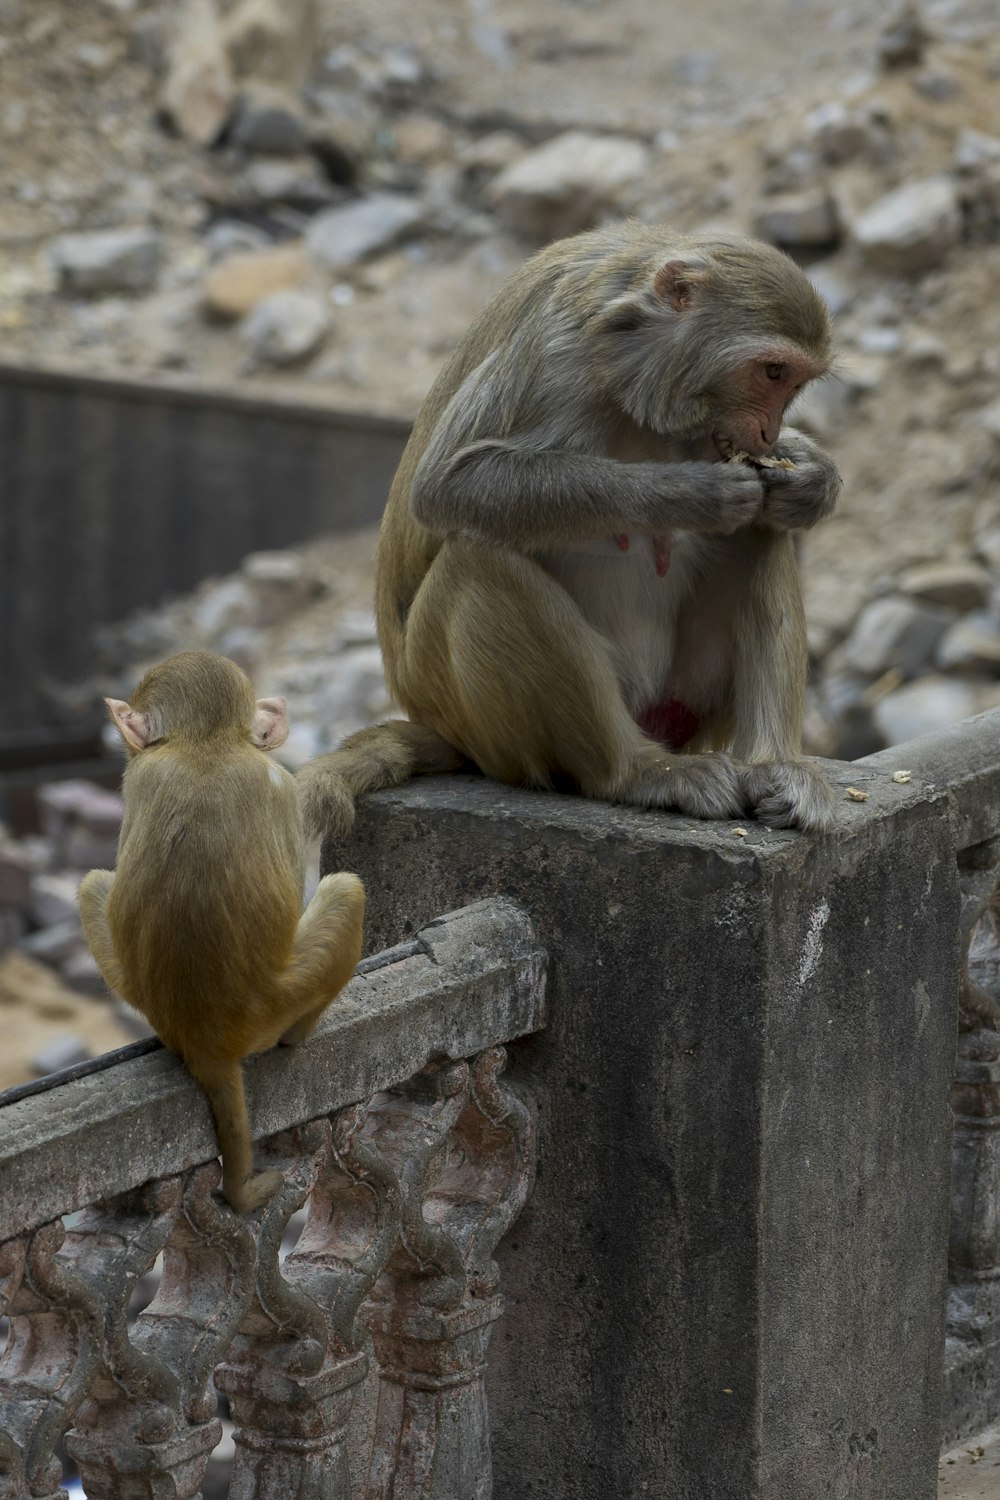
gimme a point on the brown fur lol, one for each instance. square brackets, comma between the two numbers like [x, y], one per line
[587, 406]
[199, 927]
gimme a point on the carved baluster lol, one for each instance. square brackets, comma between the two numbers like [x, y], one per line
[149, 1426]
[975, 1228]
[293, 1374]
[51, 1358]
[465, 1153]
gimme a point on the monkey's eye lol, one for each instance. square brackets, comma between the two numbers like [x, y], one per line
[774, 372]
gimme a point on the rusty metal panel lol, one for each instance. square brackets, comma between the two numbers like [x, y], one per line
[115, 494]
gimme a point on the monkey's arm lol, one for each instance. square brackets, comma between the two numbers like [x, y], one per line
[795, 499]
[535, 488]
[522, 495]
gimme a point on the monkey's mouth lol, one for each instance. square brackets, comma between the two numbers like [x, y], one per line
[723, 445]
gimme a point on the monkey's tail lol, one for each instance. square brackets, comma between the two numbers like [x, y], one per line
[383, 756]
[222, 1081]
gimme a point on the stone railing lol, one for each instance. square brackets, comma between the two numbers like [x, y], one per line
[732, 1278]
[353, 1365]
[966, 761]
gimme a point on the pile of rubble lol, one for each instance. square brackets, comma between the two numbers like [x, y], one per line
[57, 1008]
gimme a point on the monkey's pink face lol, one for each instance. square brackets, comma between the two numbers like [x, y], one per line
[753, 407]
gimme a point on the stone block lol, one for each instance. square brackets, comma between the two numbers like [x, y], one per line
[911, 229]
[730, 1280]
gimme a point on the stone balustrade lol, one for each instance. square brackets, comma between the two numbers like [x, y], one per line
[354, 1364]
[732, 1279]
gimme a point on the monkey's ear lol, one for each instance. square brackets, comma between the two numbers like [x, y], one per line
[270, 723]
[675, 284]
[133, 727]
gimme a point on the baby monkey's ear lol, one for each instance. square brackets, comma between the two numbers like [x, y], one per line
[132, 726]
[270, 723]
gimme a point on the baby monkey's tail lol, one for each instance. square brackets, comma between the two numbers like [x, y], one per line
[383, 756]
[223, 1083]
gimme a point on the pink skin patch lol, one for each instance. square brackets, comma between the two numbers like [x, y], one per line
[670, 723]
[661, 550]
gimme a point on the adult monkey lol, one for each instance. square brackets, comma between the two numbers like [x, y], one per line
[571, 583]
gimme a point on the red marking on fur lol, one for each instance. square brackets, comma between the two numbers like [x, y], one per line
[622, 541]
[671, 722]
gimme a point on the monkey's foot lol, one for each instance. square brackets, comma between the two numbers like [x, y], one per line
[704, 786]
[789, 794]
[254, 1192]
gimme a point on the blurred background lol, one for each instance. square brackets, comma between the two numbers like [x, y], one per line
[237, 241]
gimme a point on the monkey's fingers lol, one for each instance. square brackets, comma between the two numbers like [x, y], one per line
[789, 794]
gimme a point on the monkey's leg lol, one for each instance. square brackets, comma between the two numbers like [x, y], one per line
[222, 1081]
[769, 676]
[92, 898]
[501, 661]
[325, 955]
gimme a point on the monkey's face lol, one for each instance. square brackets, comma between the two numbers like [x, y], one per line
[751, 404]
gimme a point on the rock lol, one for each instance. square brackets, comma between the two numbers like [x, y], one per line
[922, 707]
[222, 606]
[82, 821]
[936, 85]
[286, 327]
[895, 632]
[401, 74]
[841, 134]
[293, 180]
[53, 899]
[833, 286]
[199, 92]
[245, 646]
[13, 926]
[988, 417]
[422, 140]
[880, 340]
[904, 40]
[342, 237]
[15, 877]
[81, 973]
[956, 585]
[911, 229]
[266, 120]
[108, 261]
[798, 219]
[343, 133]
[235, 285]
[822, 406]
[62, 1052]
[972, 644]
[54, 945]
[975, 150]
[490, 154]
[568, 184]
[274, 39]
[228, 237]
[279, 585]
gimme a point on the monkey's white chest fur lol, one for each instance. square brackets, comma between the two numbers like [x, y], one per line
[635, 608]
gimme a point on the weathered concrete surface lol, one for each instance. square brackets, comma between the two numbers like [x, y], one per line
[730, 1281]
[963, 758]
[477, 981]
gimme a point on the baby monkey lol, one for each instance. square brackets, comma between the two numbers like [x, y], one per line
[199, 927]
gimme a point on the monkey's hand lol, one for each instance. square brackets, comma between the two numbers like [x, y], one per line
[716, 498]
[795, 499]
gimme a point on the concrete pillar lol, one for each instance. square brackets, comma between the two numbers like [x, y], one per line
[730, 1281]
